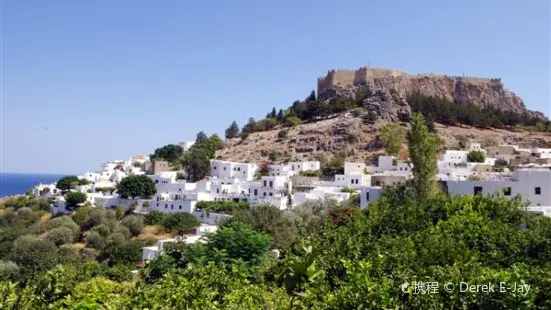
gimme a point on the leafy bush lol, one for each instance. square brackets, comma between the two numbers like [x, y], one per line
[224, 206]
[95, 241]
[9, 271]
[310, 173]
[123, 231]
[155, 218]
[64, 221]
[282, 134]
[134, 223]
[475, 157]
[179, 222]
[273, 156]
[292, 121]
[102, 229]
[136, 186]
[60, 236]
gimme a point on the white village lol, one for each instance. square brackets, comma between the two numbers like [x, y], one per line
[506, 170]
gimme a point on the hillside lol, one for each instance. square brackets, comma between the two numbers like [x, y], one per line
[359, 139]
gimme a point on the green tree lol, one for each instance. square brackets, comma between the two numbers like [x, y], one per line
[392, 137]
[196, 163]
[476, 157]
[239, 241]
[169, 152]
[136, 186]
[280, 116]
[74, 198]
[232, 131]
[134, 223]
[60, 236]
[281, 226]
[423, 148]
[178, 222]
[282, 134]
[201, 137]
[67, 182]
[95, 241]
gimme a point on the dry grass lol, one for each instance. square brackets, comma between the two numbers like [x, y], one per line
[46, 217]
[152, 232]
[79, 246]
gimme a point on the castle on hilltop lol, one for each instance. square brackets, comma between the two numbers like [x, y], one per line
[364, 74]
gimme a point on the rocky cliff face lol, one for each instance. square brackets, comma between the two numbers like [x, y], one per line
[480, 91]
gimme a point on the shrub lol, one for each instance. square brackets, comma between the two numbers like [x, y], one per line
[95, 241]
[123, 230]
[352, 138]
[476, 157]
[134, 223]
[227, 206]
[102, 230]
[60, 236]
[358, 111]
[179, 222]
[96, 216]
[9, 271]
[146, 204]
[245, 135]
[292, 121]
[310, 173]
[156, 218]
[282, 134]
[74, 198]
[273, 156]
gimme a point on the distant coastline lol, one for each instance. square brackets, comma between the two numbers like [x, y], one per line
[12, 184]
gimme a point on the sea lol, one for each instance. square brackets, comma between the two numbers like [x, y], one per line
[20, 183]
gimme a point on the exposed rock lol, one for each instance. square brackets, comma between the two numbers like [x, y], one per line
[388, 107]
[480, 91]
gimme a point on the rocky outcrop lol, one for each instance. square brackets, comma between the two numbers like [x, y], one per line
[480, 91]
[388, 107]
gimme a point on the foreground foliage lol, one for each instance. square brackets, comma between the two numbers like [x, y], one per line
[351, 259]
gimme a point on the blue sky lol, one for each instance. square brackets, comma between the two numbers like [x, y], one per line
[110, 79]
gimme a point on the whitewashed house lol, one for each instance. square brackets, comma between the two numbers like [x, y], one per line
[231, 170]
[533, 184]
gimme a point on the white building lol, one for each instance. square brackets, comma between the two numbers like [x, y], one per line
[298, 166]
[533, 184]
[321, 193]
[350, 167]
[369, 194]
[231, 170]
[388, 163]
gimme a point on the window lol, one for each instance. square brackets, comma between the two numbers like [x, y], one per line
[180, 207]
[537, 190]
[357, 181]
[265, 183]
[367, 196]
[507, 191]
[171, 207]
[264, 194]
[214, 168]
[477, 190]
[271, 194]
[271, 184]
[238, 168]
[224, 168]
[166, 206]
[256, 192]
[218, 191]
[352, 181]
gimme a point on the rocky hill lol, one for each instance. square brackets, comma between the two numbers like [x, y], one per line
[357, 139]
[483, 92]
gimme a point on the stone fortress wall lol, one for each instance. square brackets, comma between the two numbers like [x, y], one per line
[363, 74]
